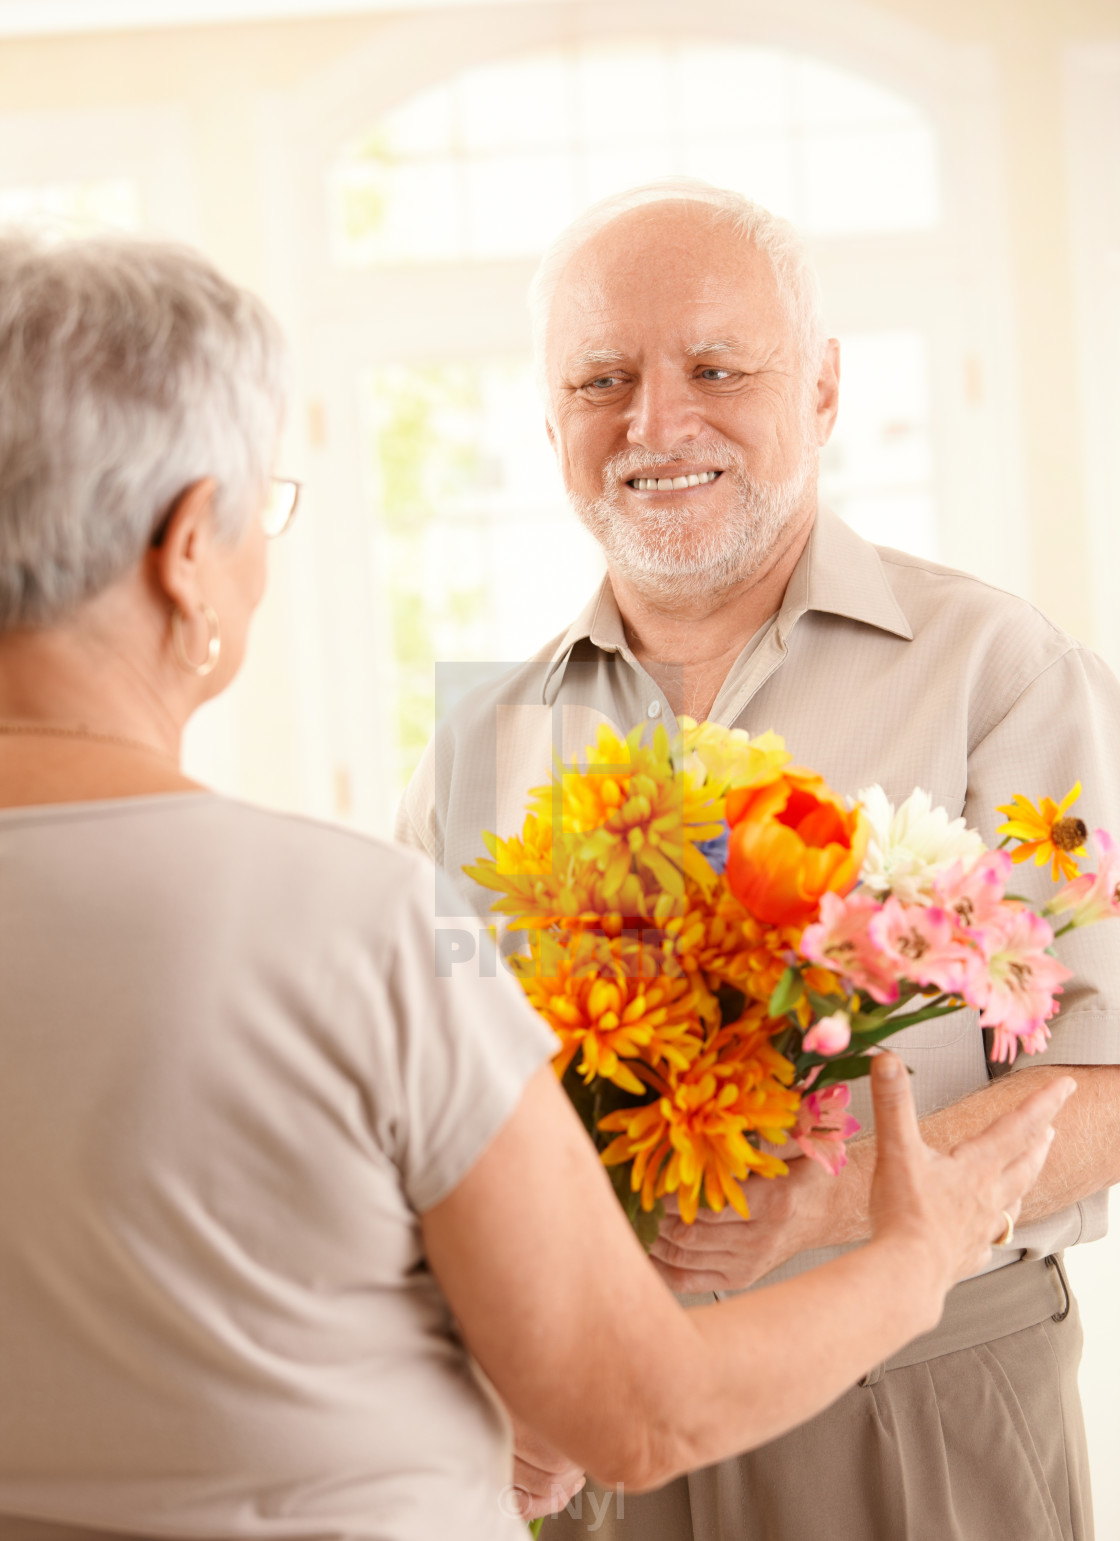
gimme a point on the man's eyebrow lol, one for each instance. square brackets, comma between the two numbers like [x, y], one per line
[595, 356]
[713, 345]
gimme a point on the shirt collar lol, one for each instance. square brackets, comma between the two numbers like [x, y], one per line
[839, 573]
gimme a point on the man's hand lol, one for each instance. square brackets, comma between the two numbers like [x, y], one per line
[545, 1476]
[809, 1208]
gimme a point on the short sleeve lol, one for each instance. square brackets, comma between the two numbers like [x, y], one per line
[415, 820]
[1063, 728]
[468, 1042]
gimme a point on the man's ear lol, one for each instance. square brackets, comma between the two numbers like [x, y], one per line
[176, 563]
[828, 391]
[551, 431]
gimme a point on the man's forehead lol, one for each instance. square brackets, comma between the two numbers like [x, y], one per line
[596, 324]
[667, 282]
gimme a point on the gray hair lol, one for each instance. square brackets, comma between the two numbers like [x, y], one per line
[798, 284]
[128, 370]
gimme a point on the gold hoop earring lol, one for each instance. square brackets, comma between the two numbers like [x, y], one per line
[213, 642]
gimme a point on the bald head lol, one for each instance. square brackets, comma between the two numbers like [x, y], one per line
[688, 402]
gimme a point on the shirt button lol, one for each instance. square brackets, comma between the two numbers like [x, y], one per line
[654, 709]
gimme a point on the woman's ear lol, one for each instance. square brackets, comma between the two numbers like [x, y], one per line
[177, 562]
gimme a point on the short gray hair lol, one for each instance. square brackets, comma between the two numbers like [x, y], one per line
[798, 284]
[128, 370]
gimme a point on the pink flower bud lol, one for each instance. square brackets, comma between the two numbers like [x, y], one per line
[831, 1035]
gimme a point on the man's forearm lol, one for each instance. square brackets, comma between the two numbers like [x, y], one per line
[1084, 1158]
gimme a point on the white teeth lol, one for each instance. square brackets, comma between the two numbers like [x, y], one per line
[673, 483]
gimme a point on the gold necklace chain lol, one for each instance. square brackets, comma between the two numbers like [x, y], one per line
[60, 730]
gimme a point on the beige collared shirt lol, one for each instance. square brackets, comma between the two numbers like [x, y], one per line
[879, 667]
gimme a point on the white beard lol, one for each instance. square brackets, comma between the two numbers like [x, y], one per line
[666, 549]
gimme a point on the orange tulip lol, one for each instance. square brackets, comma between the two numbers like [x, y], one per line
[792, 840]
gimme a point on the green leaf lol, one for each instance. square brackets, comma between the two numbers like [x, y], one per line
[850, 1067]
[825, 1005]
[787, 993]
[927, 1014]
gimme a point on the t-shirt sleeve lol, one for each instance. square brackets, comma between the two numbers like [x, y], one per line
[1063, 728]
[467, 1043]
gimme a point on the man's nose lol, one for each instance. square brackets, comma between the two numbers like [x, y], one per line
[664, 413]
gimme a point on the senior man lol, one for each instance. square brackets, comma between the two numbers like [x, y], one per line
[690, 387]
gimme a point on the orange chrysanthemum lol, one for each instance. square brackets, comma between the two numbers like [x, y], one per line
[1048, 832]
[610, 1002]
[792, 840]
[693, 1138]
[718, 939]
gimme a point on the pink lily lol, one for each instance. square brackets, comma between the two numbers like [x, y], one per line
[920, 942]
[1095, 895]
[1017, 992]
[974, 894]
[840, 941]
[823, 1124]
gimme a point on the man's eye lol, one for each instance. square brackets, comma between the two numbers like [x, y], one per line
[604, 382]
[715, 374]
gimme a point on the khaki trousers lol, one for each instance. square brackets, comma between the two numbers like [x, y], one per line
[972, 1433]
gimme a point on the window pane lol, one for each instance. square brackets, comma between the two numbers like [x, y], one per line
[409, 212]
[516, 202]
[877, 469]
[829, 96]
[872, 179]
[727, 90]
[760, 167]
[522, 108]
[73, 208]
[625, 94]
[423, 125]
[612, 171]
[478, 554]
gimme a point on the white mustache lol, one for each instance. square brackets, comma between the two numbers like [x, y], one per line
[627, 464]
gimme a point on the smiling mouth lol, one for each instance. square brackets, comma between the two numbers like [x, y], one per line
[672, 483]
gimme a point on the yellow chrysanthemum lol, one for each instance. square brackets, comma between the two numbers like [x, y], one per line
[693, 1138]
[1047, 832]
[639, 815]
[610, 1002]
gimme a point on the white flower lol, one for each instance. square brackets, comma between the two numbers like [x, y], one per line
[911, 845]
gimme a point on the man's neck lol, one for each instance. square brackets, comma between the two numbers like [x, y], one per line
[688, 645]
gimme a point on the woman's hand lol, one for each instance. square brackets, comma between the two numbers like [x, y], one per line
[953, 1206]
[541, 1473]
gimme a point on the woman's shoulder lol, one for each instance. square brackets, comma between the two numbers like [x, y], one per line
[296, 849]
[207, 839]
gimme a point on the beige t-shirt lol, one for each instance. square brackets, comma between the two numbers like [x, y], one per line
[233, 1072]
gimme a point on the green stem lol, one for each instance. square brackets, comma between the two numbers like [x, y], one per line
[535, 1526]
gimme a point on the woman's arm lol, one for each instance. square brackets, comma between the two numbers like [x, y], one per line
[563, 1311]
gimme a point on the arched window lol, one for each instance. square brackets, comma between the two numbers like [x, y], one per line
[491, 163]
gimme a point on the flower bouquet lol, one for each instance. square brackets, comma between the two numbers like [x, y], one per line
[719, 941]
